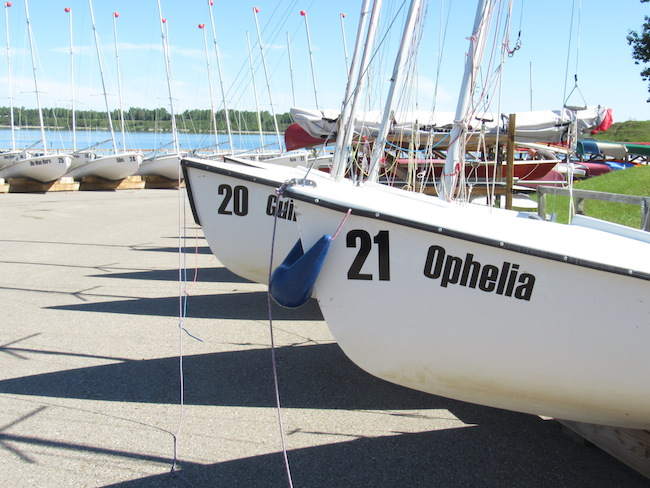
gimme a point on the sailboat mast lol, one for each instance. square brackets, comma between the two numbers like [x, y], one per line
[38, 94]
[163, 23]
[293, 91]
[119, 80]
[348, 111]
[311, 57]
[101, 73]
[345, 44]
[396, 80]
[72, 91]
[213, 115]
[223, 91]
[455, 151]
[266, 74]
[257, 104]
[11, 96]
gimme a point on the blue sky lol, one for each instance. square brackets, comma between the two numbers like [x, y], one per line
[597, 51]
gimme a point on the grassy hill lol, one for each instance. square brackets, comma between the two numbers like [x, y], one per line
[629, 131]
[633, 181]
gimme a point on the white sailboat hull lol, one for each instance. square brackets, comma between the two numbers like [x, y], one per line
[235, 205]
[113, 167]
[167, 166]
[81, 158]
[41, 168]
[9, 157]
[484, 307]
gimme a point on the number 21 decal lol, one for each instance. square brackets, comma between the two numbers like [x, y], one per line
[365, 247]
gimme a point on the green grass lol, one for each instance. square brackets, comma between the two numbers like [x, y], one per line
[629, 131]
[632, 181]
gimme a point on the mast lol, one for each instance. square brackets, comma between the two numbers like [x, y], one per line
[119, 80]
[396, 80]
[266, 74]
[207, 62]
[72, 104]
[163, 23]
[101, 72]
[293, 92]
[345, 44]
[38, 94]
[346, 126]
[257, 104]
[311, 57]
[11, 96]
[455, 151]
[223, 91]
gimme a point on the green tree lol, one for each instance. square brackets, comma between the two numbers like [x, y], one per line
[640, 43]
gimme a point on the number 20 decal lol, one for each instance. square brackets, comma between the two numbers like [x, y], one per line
[238, 195]
[365, 246]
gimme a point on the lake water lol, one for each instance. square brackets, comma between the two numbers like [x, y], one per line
[144, 141]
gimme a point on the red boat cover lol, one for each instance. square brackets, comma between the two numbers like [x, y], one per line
[295, 137]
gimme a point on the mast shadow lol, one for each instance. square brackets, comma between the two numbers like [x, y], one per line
[236, 306]
[530, 453]
[206, 275]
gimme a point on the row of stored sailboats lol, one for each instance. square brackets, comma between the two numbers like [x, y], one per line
[479, 304]
[47, 166]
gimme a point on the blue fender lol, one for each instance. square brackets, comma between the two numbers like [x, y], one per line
[292, 281]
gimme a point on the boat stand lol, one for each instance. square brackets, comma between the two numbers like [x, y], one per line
[630, 446]
[95, 183]
[28, 185]
[160, 182]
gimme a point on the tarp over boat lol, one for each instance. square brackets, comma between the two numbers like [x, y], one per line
[535, 126]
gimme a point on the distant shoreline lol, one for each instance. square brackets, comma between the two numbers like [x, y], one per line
[152, 131]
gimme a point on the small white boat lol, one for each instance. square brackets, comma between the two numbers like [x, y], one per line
[46, 168]
[114, 167]
[12, 156]
[165, 165]
[235, 202]
[22, 163]
[119, 164]
[485, 305]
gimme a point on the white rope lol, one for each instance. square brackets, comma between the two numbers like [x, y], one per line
[279, 192]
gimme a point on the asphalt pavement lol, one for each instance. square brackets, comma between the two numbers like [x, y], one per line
[91, 339]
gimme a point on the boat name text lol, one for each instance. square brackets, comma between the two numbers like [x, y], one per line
[454, 270]
[285, 208]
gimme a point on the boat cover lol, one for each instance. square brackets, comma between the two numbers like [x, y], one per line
[534, 126]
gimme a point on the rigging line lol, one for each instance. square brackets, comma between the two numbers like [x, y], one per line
[275, 32]
[279, 192]
[492, 80]
[578, 35]
[568, 54]
[442, 37]
[382, 42]
[504, 53]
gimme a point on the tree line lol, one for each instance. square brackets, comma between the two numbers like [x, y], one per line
[146, 120]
